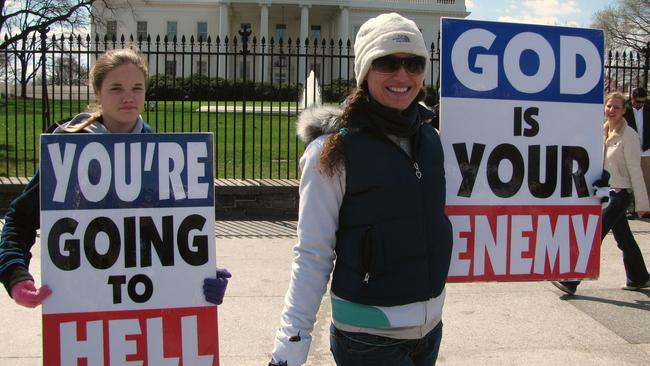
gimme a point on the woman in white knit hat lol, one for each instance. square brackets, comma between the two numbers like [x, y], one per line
[372, 197]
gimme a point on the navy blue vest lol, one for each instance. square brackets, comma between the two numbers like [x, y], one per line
[394, 240]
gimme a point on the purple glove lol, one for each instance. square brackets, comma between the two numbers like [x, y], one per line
[215, 288]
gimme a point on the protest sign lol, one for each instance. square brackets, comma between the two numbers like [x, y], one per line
[127, 229]
[521, 125]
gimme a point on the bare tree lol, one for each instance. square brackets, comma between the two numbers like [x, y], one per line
[27, 17]
[67, 70]
[626, 24]
[24, 23]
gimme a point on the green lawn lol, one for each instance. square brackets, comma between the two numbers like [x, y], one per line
[264, 146]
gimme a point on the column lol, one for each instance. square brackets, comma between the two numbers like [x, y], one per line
[263, 75]
[304, 33]
[344, 34]
[224, 30]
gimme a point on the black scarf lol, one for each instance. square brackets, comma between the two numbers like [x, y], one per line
[388, 121]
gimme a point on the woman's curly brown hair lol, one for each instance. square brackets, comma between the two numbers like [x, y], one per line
[331, 156]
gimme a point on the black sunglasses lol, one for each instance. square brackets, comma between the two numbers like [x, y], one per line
[390, 64]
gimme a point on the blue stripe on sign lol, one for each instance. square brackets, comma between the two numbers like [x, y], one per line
[113, 171]
[495, 60]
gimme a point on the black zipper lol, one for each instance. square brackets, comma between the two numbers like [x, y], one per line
[413, 159]
[366, 254]
[366, 259]
[418, 175]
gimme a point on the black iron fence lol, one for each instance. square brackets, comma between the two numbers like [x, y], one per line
[625, 71]
[246, 91]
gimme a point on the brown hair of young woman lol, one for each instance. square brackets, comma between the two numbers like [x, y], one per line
[331, 156]
[106, 63]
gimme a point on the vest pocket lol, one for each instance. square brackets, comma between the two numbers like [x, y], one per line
[385, 263]
[356, 250]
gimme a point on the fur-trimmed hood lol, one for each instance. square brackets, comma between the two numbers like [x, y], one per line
[321, 120]
[316, 121]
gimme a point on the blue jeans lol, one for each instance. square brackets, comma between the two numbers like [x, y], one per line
[359, 349]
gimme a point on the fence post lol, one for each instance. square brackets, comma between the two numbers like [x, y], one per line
[244, 34]
[646, 52]
[45, 100]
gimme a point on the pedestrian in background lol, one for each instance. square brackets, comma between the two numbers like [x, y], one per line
[372, 196]
[637, 115]
[622, 161]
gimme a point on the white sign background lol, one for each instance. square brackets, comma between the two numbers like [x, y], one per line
[490, 122]
[491, 74]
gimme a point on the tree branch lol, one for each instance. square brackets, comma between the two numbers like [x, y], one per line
[626, 24]
[45, 23]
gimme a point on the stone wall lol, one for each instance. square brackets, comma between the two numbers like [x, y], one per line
[265, 198]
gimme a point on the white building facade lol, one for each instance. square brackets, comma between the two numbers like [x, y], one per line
[266, 19]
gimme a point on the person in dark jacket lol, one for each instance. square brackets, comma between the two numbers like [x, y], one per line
[637, 115]
[119, 82]
[372, 196]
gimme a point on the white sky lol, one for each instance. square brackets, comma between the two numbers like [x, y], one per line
[572, 13]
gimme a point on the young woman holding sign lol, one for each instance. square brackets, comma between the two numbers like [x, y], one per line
[623, 162]
[119, 82]
[372, 195]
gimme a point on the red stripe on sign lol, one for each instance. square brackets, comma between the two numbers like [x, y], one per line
[524, 243]
[157, 337]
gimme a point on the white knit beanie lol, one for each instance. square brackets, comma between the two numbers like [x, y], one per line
[384, 35]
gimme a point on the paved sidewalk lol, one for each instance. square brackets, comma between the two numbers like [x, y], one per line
[485, 323]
